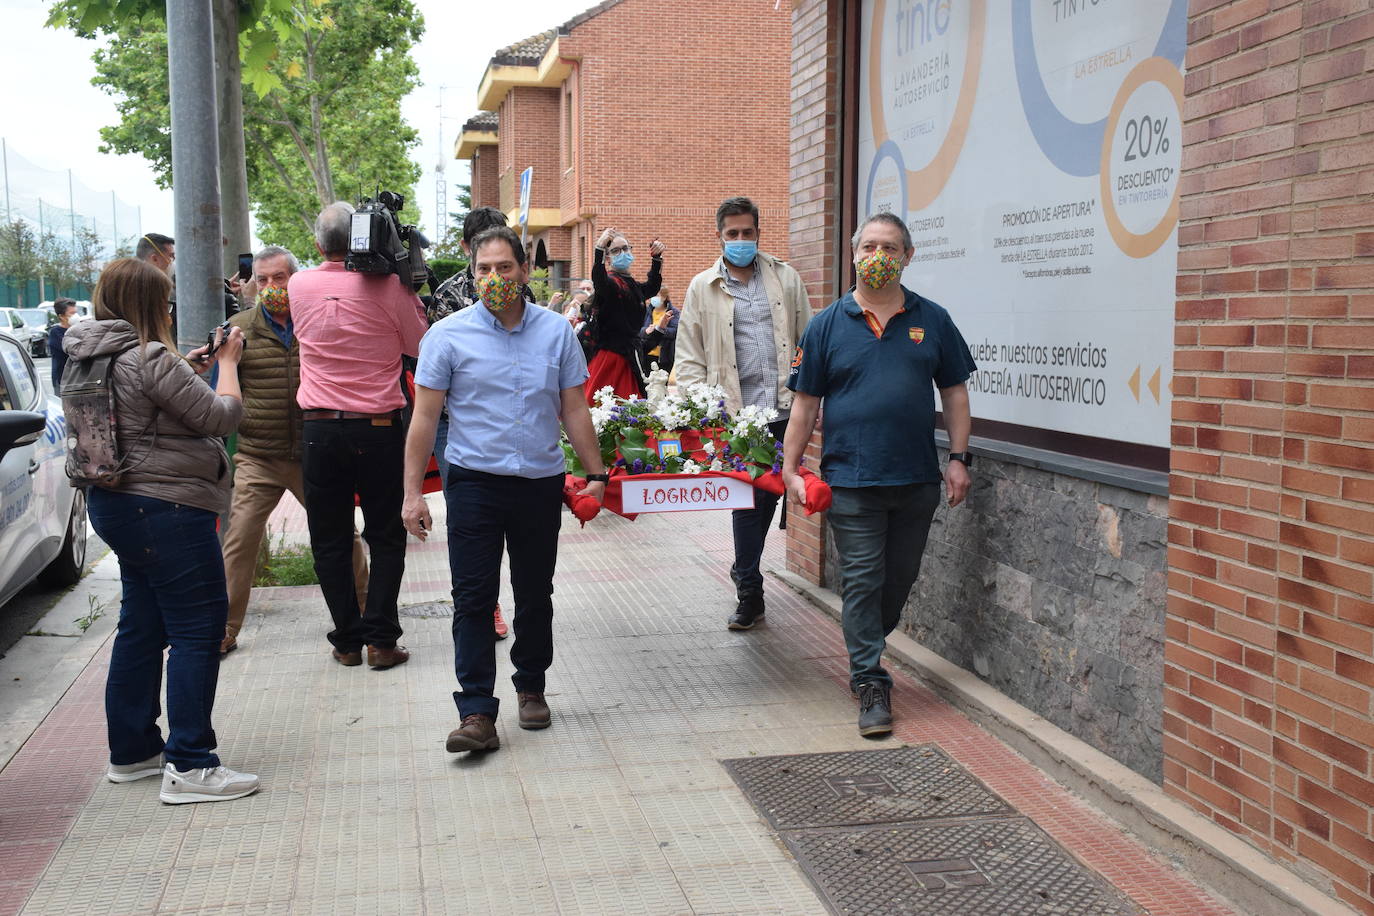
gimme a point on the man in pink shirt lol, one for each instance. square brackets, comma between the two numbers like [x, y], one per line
[353, 329]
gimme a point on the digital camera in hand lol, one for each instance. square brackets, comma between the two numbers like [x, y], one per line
[380, 244]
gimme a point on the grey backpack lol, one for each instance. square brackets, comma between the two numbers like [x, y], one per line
[88, 400]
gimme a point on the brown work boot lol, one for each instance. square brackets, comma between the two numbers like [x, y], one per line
[477, 733]
[380, 659]
[348, 659]
[534, 712]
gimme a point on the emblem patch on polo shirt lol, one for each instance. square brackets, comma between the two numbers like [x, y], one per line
[797, 358]
[917, 334]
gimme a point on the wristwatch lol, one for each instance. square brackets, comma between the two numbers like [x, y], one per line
[602, 478]
[965, 457]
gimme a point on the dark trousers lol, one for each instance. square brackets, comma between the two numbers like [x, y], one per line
[751, 530]
[173, 580]
[488, 513]
[880, 537]
[344, 457]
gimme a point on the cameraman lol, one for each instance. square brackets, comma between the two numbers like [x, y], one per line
[352, 330]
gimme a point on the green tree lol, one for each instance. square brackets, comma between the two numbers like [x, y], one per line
[56, 263]
[19, 259]
[88, 254]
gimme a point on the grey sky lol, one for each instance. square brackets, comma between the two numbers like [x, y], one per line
[52, 115]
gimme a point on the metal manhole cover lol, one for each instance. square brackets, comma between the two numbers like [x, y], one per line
[435, 609]
[861, 787]
[998, 866]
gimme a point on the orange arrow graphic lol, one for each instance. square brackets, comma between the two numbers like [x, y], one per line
[1134, 382]
[1154, 384]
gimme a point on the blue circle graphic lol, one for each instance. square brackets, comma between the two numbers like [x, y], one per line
[889, 149]
[1074, 147]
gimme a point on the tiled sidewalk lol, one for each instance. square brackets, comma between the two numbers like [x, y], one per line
[620, 807]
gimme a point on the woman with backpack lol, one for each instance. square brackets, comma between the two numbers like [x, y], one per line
[156, 507]
[619, 314]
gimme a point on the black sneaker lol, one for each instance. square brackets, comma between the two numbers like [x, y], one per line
[875, 709]
[749, 612]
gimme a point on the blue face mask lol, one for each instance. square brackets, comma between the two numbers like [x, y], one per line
[741, 254]
[622, 261]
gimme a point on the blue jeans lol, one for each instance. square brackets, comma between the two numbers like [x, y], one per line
[489, 512]
[880, 535]
[173, 577]
[750, 528]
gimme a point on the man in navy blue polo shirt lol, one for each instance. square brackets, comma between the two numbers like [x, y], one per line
[874, 358]
[509, 372]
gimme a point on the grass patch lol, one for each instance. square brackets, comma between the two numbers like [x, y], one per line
[282, 564]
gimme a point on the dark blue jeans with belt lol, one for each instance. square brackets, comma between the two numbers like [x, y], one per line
[486, 514]
[880, 536]
[174, 595]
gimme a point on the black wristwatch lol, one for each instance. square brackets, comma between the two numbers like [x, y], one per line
[594, 478]
[965, 457]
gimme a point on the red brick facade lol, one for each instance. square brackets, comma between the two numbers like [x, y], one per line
[666, 110]
[1269, 670]
[1270, 652]
[815, 215]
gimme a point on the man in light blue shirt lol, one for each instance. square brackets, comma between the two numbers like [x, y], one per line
[509, 373]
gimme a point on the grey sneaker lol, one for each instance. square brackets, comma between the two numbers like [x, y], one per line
[875, 709]
[207, 784]
[129, 772]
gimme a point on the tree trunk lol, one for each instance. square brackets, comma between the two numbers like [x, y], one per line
[233, 170]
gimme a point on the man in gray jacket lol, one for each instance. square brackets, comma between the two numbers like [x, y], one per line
[740, 325]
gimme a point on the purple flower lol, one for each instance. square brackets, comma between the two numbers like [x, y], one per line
[637, 467]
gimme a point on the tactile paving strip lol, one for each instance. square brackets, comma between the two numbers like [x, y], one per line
[861, 787]
[997, 866]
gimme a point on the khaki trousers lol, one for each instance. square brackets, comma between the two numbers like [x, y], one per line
[258, 486]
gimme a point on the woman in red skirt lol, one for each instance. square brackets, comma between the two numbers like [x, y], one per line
[618, 314]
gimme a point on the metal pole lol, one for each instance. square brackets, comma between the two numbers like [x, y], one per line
[42, 231]
[114, 225]
[5, 150]
[195, 169]
[71, 203]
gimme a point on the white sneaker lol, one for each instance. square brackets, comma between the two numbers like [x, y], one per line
[128, 772]
[207, 784]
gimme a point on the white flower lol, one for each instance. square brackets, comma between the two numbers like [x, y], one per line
[717, 465]
[690, 467]
[605, 396]
[708, 446]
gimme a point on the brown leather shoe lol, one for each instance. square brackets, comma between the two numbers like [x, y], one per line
[477, 733]
[348, 659]
[380, 659]
[534, 712]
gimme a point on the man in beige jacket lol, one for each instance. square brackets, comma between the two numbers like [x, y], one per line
[740, 325]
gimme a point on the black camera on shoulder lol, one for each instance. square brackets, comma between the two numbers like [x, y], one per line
[379, 244]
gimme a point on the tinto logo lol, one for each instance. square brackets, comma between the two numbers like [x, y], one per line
[920, 21]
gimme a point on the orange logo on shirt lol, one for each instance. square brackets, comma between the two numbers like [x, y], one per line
[917, 334]
[797, 358]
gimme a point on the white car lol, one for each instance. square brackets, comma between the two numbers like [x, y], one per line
[42, 517]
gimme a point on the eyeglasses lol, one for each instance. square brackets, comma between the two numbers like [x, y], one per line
[622, 249]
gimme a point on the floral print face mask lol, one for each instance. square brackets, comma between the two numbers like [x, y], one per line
[497, 292]
[274, 300]
[878, 269]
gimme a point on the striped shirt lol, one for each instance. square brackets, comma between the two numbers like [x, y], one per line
[756, 354]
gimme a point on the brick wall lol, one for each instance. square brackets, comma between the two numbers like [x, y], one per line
[814, 202]
[676, 107]
[1270, 651]
[528, 136]
[486, 189]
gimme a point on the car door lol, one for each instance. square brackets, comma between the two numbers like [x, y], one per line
[21, 525]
